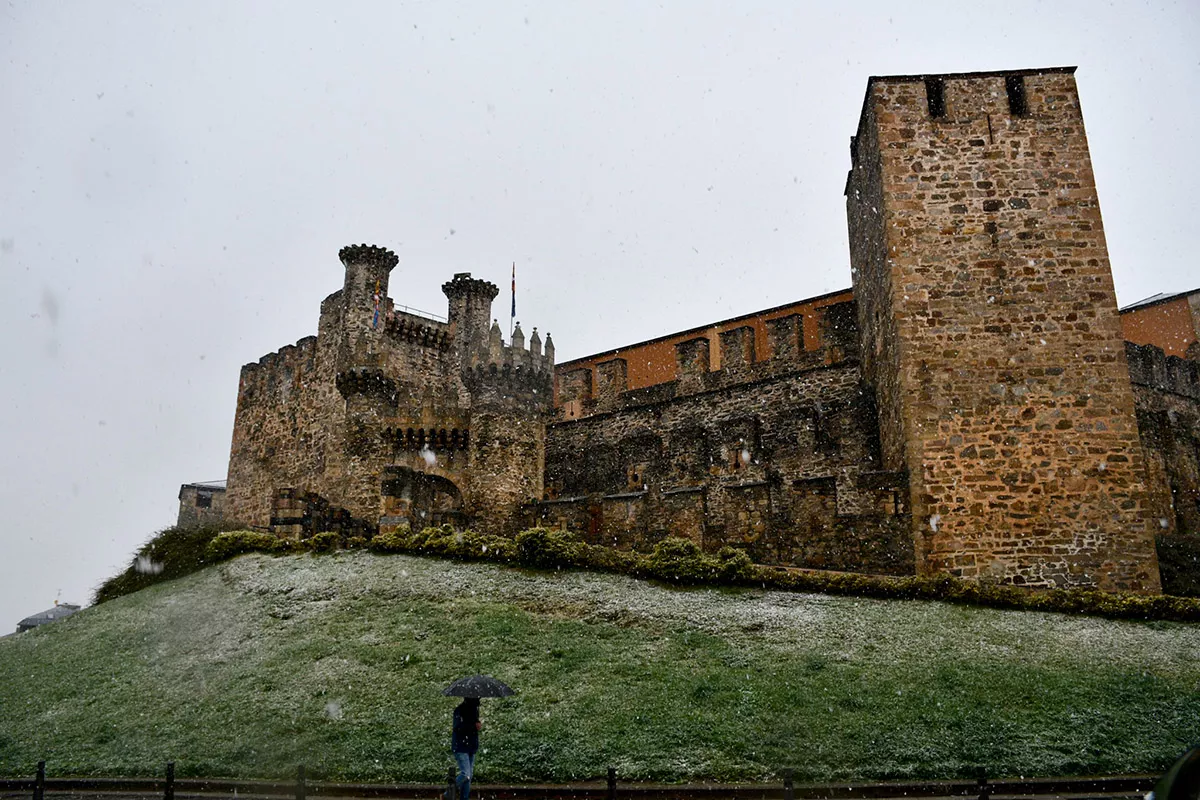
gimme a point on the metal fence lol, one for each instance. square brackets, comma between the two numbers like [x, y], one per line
[168, 787]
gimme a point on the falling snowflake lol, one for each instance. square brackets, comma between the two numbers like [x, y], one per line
[147, 565]
[429, 456]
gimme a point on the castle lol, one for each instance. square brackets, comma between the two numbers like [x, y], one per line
[970, 407]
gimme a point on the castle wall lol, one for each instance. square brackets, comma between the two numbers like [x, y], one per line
[283, 434]
[653, 362]
[1167, 394]
[1008, 369]
[373, 422]
[778, 458]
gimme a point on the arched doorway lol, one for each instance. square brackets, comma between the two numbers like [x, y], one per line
[418, 499]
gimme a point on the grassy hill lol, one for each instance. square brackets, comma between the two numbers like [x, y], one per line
[337, 661]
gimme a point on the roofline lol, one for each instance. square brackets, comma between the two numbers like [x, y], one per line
[996, 73]
[702, 328]
[1140, 304]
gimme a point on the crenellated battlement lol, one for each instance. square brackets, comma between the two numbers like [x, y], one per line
[418, 330]
[366, 381]
[583, 391]
[512, 378]
[368, 255]
[278, 370]
[516, 355]
[1150, 366]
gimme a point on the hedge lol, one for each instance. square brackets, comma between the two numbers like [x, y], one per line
[683, 562]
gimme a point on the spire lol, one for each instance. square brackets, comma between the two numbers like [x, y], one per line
[549, 350]
[535, 343]
[495, 344]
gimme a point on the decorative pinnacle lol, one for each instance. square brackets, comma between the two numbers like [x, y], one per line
[464, 284]
[369, 255]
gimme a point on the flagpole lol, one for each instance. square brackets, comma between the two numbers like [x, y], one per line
[513, 315]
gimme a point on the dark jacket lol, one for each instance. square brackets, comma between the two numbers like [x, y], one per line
[466, 737]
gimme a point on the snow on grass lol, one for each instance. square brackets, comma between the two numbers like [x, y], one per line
[337, 662]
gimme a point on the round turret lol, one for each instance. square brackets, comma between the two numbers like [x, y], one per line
[368, 255]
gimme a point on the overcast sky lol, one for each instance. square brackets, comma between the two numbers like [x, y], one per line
[176, 180]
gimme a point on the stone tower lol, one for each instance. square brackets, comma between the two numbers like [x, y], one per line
[990, 331]
[391, 417]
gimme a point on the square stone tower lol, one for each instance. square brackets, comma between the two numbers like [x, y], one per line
[990, 330]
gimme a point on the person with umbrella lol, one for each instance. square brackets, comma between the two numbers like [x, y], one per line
[464, 739]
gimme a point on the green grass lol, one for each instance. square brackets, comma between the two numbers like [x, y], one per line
[256, 665]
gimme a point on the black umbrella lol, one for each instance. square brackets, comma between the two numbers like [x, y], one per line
[478, 686]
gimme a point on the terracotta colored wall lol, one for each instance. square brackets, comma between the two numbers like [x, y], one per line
[1170, 326]
[653, 362]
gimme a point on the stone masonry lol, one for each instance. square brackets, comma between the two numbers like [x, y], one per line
[388, 417]
[972, 408]
[991, 332]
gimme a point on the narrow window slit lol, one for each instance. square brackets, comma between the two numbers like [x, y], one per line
[935, 95]
[1015, 86]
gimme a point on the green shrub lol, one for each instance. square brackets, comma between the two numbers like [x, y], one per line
[171, 553]
[325, 542]
[357, 542]
[226, 545]
[734, 566]
[682, 561]
[397, 541]
[547, 547]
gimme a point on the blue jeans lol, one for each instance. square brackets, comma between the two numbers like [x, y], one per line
[466, 769]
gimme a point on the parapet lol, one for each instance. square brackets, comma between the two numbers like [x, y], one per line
[737, 348]
[786, 335]
[418, 330]
[463, 284]
[278, 370]
[692, 363]
[740, 363]
[1150, 366]
[516, 356]
[369, 255]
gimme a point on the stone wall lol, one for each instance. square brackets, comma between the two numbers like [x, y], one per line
[379, 416]
[1167, 394]
[201, 504]
[980, 260]
[776, 457]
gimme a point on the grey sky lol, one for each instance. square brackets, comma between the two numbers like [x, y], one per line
[178, 178]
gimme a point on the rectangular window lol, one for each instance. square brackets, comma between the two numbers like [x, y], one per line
[204, 501]
[935, 95]
[1015, 86]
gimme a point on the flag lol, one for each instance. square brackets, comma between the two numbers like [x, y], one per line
[375, 318]
[514, 291]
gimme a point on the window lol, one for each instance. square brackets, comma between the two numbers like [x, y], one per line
[204, 501]
[935, 95]
[1015, 86]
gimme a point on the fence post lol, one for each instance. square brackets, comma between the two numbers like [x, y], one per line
[301, 789]
[612, 783]
[39, 783]
[451, 786]
[789, 787]
[169, 790]
[985, 790]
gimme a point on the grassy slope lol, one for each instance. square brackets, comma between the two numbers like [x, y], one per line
[337, 661]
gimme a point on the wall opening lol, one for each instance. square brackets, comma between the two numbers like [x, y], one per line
[1015, 86]
[935, 96]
